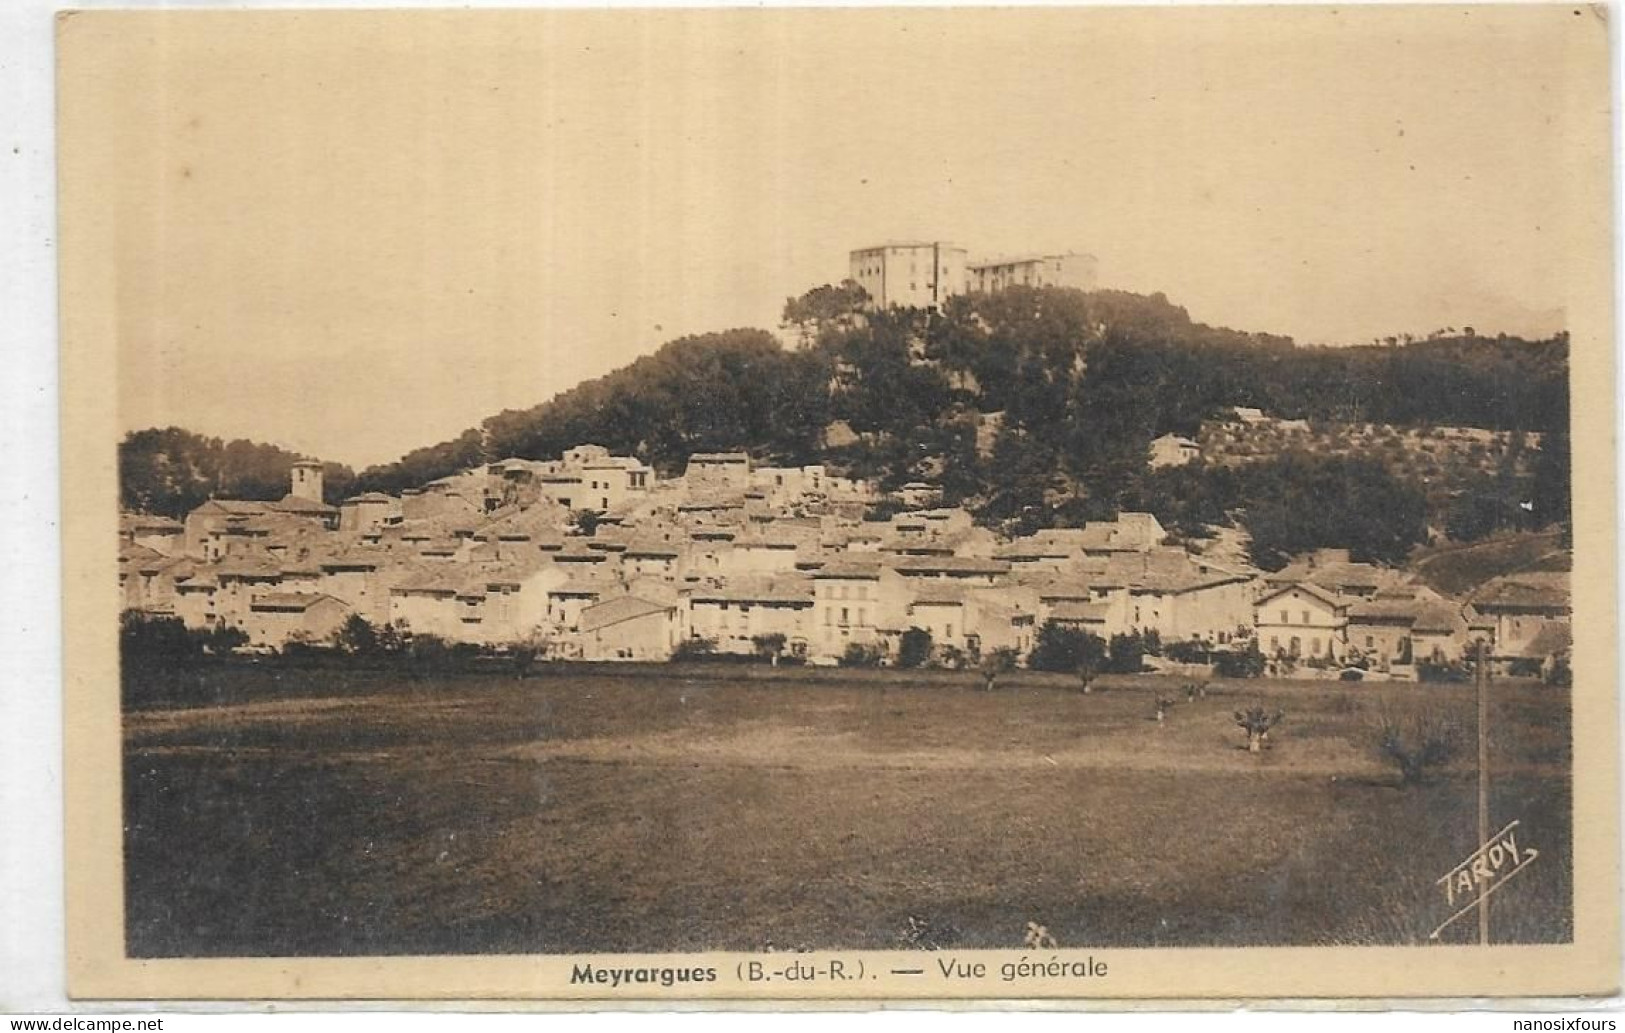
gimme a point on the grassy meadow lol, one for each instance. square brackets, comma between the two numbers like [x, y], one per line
[282, 810]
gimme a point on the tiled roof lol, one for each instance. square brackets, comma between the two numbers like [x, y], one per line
[291, 503]
[850, 566]
[1536, 590]
[250, 567]
[1079, 613]
[785, 589]
[289, 602]
[1553, 638]
[1329, 598]
[140, 523]
[586, 586]
[1439, 618]
[1386, 611]
[949, 565]
[938, 593]
[617, 611]
[131, 554]
[436, 580]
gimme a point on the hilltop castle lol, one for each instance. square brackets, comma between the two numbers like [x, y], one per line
[924, 274]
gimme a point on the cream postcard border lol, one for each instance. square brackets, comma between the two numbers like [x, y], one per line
[97, 966]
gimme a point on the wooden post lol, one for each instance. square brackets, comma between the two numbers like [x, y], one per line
[1482, 680]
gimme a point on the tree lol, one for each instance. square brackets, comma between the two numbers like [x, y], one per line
[1300, 502]
[525, 652]
[914, 648]
[694, 649]
[585, 522]
[1425, 739]
[1257, 723]
[1086, 673]
[1551, 489]
[148, 637]
[1127, 654]
[1060, 648]
[1244, 663]
[357, 637]
[172, 471]
[994, 664]
[769, 646]
[825, 309]
[861, 654]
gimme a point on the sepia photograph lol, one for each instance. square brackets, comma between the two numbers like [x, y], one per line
[844, 503]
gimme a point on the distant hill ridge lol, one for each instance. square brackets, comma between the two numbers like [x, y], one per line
[1084, 381]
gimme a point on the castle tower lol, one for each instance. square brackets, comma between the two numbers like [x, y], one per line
[307, 480]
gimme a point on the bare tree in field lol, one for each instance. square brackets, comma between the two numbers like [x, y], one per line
[1419, 742]
[1257, 722]
[994, 664]
[1086, 677]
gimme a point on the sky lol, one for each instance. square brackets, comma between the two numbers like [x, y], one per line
[357, 233]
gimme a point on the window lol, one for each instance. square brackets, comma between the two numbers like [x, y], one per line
[948, 631]
[1314, 646]
[1306, 616]
[845, 615]
[1370, 642]
[863, 617]
[1284, 618]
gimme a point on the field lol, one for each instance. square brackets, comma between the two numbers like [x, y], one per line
[283, 810]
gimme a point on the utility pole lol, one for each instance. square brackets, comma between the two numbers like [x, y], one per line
[1481, 677]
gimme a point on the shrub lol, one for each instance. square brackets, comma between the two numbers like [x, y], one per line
[1059, 648]
[769, 646]
[152, 637]
[301, 643]
[914, 648]
[1186, 652]
[694, 649]
[358, 637]
[1247, 663]
[861, 654]
[1127, 654]
[1426, 739]
[524, 653]
[994, 664]
[1559, 674]
[431, 652]
[1429, 671]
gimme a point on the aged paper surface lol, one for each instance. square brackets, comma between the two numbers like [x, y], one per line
[354, 234]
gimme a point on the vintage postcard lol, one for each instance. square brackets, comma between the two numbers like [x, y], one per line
[839, 504]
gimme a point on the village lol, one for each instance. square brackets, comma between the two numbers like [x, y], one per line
[593, 557]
